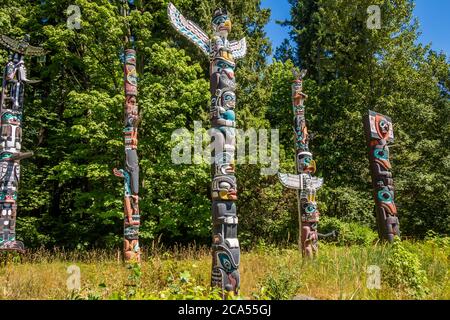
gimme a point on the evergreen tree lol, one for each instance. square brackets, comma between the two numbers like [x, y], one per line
[68, 195]
[357, 68]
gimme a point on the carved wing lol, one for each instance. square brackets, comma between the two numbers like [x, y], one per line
[21, 47]
[9, 43]
[238, 48]
[295, 181]
[291, 181]
[34, 51]
[303, 73]
[314, 183]
[189, 29]
[299, 75]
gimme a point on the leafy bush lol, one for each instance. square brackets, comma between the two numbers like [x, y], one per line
[436, 239]
[178, 288]
[349, 233]
[347, 204]
[280, 286]
[403, 271]
[27, 231]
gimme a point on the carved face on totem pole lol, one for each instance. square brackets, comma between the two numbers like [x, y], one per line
[224, 163]
[297, 92]
[224, 188]
[226, 110]
[379, 131]
[222, 77]
[380, 127]
[221, 23]
[386, 197]
[310, 211]
[131, 110]
[305, 162]
[297, 88]
[222, 108]
[383, 127]
[228, 101]
[381, 156]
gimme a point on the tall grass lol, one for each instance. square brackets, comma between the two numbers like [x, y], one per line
[266, 272]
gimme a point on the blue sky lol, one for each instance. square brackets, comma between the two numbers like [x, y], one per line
[433, 16]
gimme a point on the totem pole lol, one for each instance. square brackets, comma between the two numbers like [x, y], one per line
[222, 54]
[379, 132]
[303, 181]
[131, 172]
[11, 108]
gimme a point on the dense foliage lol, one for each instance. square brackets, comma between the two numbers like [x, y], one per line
[69, 196]
[355, 68]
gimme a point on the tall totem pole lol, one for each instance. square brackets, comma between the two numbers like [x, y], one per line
[379, 132]
[303, 181]
[222, 54]
[11, 108]
[131, 172]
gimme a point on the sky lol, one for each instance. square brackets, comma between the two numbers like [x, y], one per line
[433, 16]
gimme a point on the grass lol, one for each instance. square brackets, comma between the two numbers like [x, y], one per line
[338, 272]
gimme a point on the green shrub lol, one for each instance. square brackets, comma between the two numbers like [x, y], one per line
[434, 238]
[178, 288]
[349, 233]
[28, 232]
[403, 271]
[281, 286]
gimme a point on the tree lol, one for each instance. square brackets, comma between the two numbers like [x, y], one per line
[69, 196]
[385, 70]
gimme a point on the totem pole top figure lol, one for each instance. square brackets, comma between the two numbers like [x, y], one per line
[22, 47]
[16, 66]
[216, 48]
[298, 97]
[11, 107]
[380, 127]
[299, 75]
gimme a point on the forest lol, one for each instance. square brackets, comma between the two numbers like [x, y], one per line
[73, 121]
[73, 118]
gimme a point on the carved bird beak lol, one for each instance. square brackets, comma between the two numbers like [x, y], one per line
[227, 24]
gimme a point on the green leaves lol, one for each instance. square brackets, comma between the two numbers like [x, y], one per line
[405, 271]
[74, 118]
[353, 69]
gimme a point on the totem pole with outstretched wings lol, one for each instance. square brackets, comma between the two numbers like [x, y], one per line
[305, 184]
[222, 54]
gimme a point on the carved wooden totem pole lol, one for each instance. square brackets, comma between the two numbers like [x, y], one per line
[130, 173]
[379, 132]
[303, 181]
[11, 108]
[222, 54]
